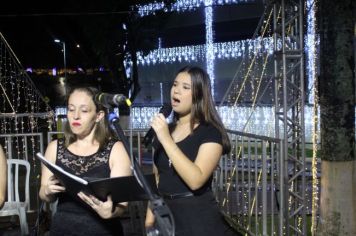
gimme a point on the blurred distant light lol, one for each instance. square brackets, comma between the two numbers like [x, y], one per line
[159, 42]
[101, 68]
[78, 46]
[124, 26]
[57, 41]
[80, 69]
[29, 69]
[128, 71]
[62, 81]
[54, 71]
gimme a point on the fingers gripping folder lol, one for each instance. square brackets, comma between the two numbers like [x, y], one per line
[121, 189]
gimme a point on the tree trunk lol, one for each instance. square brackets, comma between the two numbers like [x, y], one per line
[337, 112]
[338, 191]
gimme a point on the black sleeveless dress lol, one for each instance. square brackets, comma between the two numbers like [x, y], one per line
[198, 214]
[73, 217]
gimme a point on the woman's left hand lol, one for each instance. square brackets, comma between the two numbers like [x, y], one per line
[104, 209]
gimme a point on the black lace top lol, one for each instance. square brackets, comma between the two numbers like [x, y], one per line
[73, 217]
[92, 166]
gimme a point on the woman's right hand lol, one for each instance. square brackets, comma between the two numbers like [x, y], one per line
[53, 186]
[160, 126]
[150, 219]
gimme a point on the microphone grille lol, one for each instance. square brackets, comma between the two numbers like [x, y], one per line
[166, 110]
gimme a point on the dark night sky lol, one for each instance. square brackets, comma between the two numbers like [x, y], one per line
[32, 39]
[30, 28]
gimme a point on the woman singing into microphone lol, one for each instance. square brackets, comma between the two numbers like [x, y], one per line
[186, 155]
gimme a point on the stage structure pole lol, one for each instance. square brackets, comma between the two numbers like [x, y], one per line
[64, 62]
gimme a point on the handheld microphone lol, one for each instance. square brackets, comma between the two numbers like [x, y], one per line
[107, 99]
[166, 110]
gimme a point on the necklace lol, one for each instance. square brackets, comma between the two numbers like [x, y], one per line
[181, 132]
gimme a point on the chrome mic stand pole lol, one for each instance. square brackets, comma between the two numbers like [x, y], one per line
[162, 213]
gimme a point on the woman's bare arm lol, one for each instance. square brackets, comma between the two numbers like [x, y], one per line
[3, 176]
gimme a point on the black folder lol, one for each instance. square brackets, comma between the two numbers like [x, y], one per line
[121, 189]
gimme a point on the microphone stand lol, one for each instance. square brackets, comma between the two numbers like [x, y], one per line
[162, 213]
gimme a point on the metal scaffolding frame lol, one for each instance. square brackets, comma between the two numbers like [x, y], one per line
[289, 105]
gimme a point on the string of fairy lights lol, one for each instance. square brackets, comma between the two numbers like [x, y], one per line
[209, 41]
[253, 204]
[311, 44]
[21, 110]
[224, 50]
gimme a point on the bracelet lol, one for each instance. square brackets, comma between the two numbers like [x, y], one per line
[169, 160]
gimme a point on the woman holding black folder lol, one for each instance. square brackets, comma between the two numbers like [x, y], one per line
[88, 151]
[186, 154]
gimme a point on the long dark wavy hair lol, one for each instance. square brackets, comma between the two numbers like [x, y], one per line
[203, 108]
[102, 132]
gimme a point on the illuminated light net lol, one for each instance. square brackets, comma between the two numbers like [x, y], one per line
[226, 50]
[183, 5]
[188, 5]
[24, 114]
[252, 83]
